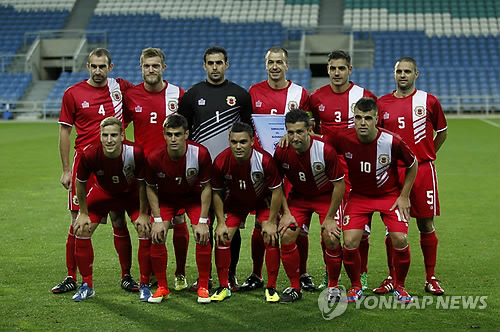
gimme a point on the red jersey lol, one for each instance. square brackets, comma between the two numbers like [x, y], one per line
[312, 172]
[414, 118]
[248, 183]
[179, 177]
[266, 100]
[114, 176]
[148, 110]
[332, 110]
[373, 166]
[86, 106]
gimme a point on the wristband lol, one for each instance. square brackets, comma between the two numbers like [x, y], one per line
[203, 220]
[158, 219]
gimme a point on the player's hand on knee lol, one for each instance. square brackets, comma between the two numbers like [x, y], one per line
[201, 234]
[269, 233]
[286, 221]
[143, 225]
[159, 232]
[221, 233]
[82, 225]
[332, 230]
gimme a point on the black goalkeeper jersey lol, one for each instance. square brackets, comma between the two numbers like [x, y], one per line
[212, 109]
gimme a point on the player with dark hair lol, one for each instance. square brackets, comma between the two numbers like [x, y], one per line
[418, 117]
[84, 106]
[211, 107]
[317, 179]
[249, 176]
[332, 106]
[372, 156]
[178, 177]
[118, 167]
[277, 95]
[148, 104]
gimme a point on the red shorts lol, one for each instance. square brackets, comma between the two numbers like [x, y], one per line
[424, 193]
[170, 208]
[235, 218]
[359, 211]
[100, 203]
[72, 199]
[302, 209]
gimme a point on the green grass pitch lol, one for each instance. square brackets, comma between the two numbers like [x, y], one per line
[34, 223]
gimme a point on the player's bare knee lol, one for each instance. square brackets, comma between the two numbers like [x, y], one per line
[179, 219]
[118, 219]
[399, 240]
[290, 236]
[329, 243]
[425, 225]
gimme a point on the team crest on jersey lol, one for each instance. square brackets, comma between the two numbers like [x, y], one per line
[75, 200]
[257, 176]
[420, 111]
[117, 95]
[85, 104]
[353, 106]
[258, 103]
[292, 105]
[201, 102]
[348, 155]
[161, 175]
[231, 100]
[318, 167]
[138, 109]
[285, 166]
[191, 172]
[386, 116]
[172, 105]
[384, 159]
[346, 220]
[321, 108]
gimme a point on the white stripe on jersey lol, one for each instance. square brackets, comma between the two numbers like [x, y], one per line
[293, 96]
[256, 168]
[192, 163]
[355, 94]
[317, 156]
[172, 93]
[128, 162]
[114, 89]
[419, 101]
[434, 187]
[384, 157]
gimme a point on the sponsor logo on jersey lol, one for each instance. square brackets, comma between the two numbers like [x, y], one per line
[319, 167]
[85, 104]
[231, 100]
[99, 172]
[386, 116]
[257, 176]
[384, 159]
[258, 103]
[138, 109]
[292, 105]
[117, 95]
[420, 111]
[353, 106]
[346, 220]
[191, 172]
[348, 155]
[201, 102]
[321, 108]
[161, 175]
[75, 200]
[172, 105]
[285, 166]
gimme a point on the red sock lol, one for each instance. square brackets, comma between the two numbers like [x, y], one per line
[429, 243]
[144, 257]
[388, 251]
[352, 264]
[272, 264]
[203, 259]
[333, 264]
[303, 248]
[181, 245]
[84, 255]
[159, 259]
[70, 254]
[291, 262]
[258, 248]
[222, 261]
[402, 259]
[364, 246]
[123, 247]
